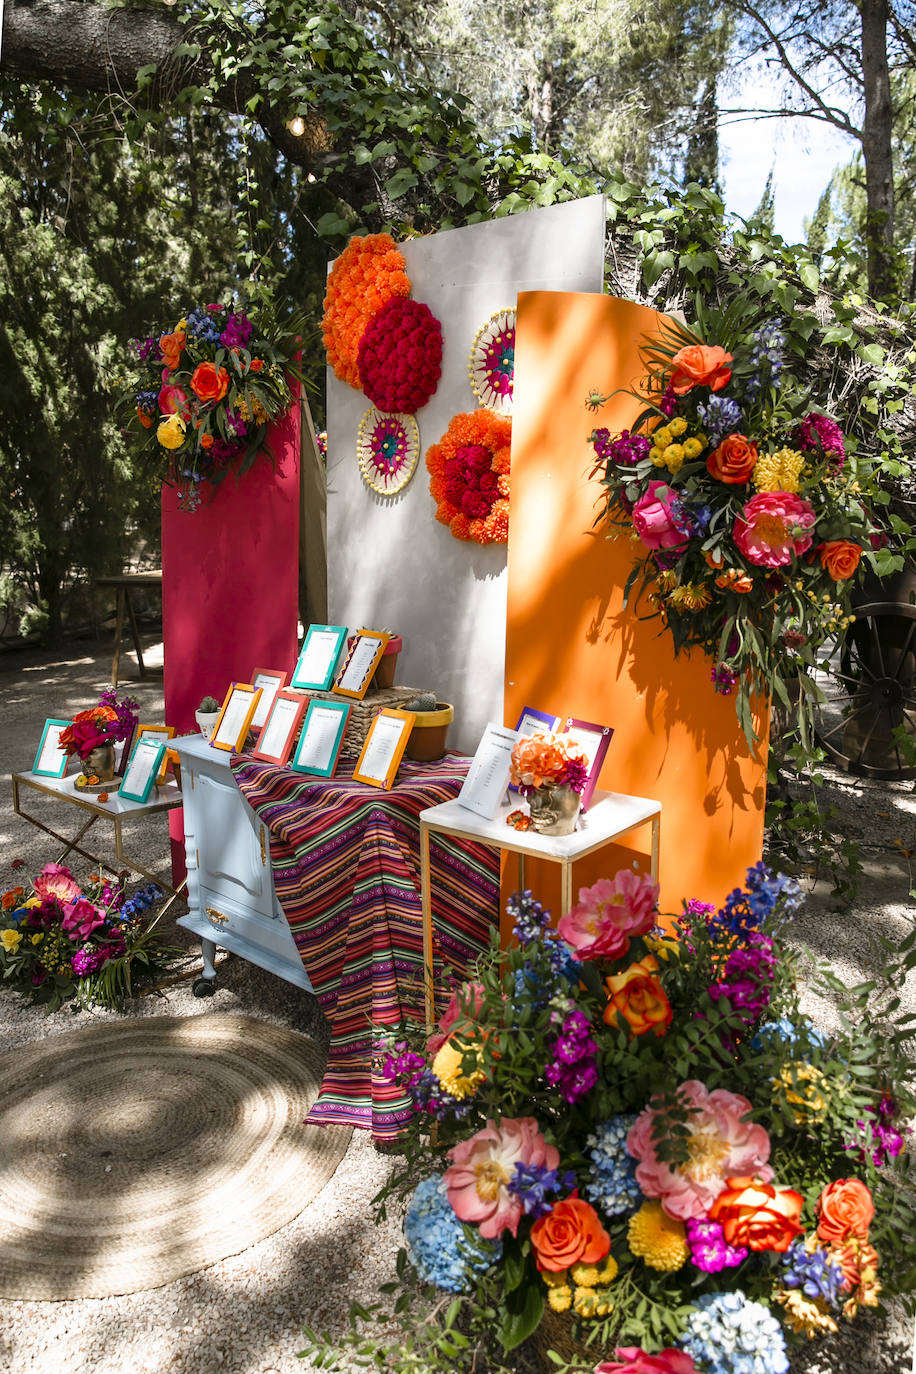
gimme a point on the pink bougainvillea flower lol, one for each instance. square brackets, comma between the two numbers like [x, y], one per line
[609, 914]
[472, 995]
[719, 1144]
[55, 880]
[483, 1166]
[774, 527]
[631, 1359]
[656, 518]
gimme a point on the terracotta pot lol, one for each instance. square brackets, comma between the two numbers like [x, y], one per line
[426, 740]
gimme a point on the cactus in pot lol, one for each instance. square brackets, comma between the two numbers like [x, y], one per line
[206, 715]
[433, 717]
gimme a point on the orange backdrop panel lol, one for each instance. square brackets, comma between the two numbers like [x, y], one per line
[572, 648]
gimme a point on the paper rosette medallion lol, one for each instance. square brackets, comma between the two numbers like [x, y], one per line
[469, 476]
[400, 356]
[369, 273]
[387, 448]
[491, 366]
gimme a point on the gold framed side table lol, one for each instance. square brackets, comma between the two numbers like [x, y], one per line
[610, 816]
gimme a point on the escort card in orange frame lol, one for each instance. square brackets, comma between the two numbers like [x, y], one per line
[573, 647]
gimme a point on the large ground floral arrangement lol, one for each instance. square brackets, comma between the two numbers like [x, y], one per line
[639, 1142]
[206, 388]
[93, 943]
[749, 514]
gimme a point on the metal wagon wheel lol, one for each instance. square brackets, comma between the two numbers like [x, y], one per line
[870, 690]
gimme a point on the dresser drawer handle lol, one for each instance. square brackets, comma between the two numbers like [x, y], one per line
[263, 837]
[215, 916]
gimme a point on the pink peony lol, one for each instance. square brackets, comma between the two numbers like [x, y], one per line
[484, 1166]
[774, 528]
[81, 918]
[656, 520]
[631, 1360]
[609, 914]
[472, 995]
[719, 1144]
[55, 880]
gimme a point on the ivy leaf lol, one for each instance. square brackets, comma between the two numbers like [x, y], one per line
[526, 1307]
[810, 276]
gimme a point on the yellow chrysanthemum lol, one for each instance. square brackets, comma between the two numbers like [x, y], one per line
[448, 1070]
[662, 947]
[658, 457]
[677, 426]
[692, 448]
[674, 458]
[10, 939]
[802, 1085]
[171, 431]
[781, 471]
[555, 1278]
[592, 1302]
[657, 1239]
[807, 1316]
[593, 1275]
[662, 437]
[559, 1299]
[692, 596]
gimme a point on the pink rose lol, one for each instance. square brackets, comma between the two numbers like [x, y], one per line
[173, 401]
[655, 519]
[609, 914]
[719, 1144]
[472, 995]
[773, 528]
[478, 1180]
[632, 1360]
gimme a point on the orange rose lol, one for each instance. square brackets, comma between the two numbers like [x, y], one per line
[170, 346]
[569, 1234]
[145, 420]
[733, 461]
[638, 997]
[840, 558]
[208, 383]
[844, 1209]
[734, 581]
[700, 365]
[758, 1215]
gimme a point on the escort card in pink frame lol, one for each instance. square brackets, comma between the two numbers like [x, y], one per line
[593, 740]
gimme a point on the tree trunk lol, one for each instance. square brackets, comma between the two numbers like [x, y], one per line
[876, 148]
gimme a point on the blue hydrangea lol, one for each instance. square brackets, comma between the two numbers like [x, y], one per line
[814, 1272]
[720, 416]
[799, 1039]
[612, 1185]
[200, 324]
[440, 1249]
[727, 1333]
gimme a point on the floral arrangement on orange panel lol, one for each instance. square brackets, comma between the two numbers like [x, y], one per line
[469, 476]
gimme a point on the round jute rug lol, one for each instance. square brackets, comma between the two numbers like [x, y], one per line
[134, 1152]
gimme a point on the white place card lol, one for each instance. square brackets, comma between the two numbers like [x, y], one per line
[52, 759]
[360, 664]
[142, 768]
[270, 686]
[319, 656]
[485, 786]
[381, 746]
[234, 717]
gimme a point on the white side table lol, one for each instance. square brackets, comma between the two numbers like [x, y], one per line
[610, 816]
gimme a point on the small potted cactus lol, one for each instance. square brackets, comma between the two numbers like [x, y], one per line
[206, 715]
[427, 738]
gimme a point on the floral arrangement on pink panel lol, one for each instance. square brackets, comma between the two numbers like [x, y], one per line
[400, 356]
[491, 366]
[643, 1142]
[469, 476]
[749, 514]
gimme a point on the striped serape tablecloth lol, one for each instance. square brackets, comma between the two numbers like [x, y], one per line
[346, 867]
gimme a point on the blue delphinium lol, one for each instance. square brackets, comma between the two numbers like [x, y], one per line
[745, 908]
[798, 1039]
[720, 416]
[727, 1333]
[814, 1272]
[531, 925]
[141, 901]
[440, 1249]
[531, 1183]
[200, 324]
[613, 1183]
[767, 357]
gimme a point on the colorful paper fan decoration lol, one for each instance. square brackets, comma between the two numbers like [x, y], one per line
[387, 447]
[369, 273]
[491, 366]
[469, 476]
[400, 356]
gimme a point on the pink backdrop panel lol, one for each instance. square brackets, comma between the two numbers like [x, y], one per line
[230, 577]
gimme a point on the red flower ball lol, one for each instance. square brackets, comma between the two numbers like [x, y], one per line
[400, 356]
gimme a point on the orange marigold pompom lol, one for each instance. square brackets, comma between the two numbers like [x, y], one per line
[459, 525]
[469, 476]
[369, 272]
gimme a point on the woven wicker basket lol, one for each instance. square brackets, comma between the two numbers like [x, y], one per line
[364, 712]
[564, 1333]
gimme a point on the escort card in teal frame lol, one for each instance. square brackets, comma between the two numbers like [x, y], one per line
[142, 769]
[321, 650]
[50, 759]
[322, 735]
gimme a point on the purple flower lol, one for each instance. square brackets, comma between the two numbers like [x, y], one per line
[724, 679]
[820, 434]
[236, 331]
[747, 978]
[532, 1182]
[709, 1250]
[668, 404]
[148, 348]
[627, 449]
[574, 1051]
[720, 416]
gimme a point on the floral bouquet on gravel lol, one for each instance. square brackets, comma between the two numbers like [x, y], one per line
[748, 511]
[206, 389]
[634, 1148]
[94, 944]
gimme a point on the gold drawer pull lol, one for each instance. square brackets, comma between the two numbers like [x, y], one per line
[262, 832]
[215, 916]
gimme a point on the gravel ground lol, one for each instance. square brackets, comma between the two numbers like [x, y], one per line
[243, 1315]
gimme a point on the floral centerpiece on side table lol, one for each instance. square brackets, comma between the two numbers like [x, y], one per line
[92, 943]
[93, 733]
[206, 389]
[550, 771]
[748, 511]
[639, 1150]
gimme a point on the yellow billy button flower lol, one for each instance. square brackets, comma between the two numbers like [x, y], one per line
[657, 1239]
[171, 432]
[692, 448]
[657, 456]
[559, 1298]
[662, 437]
[677, 426]
[674, 458]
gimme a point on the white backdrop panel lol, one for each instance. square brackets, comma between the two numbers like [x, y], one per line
[391, 564]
